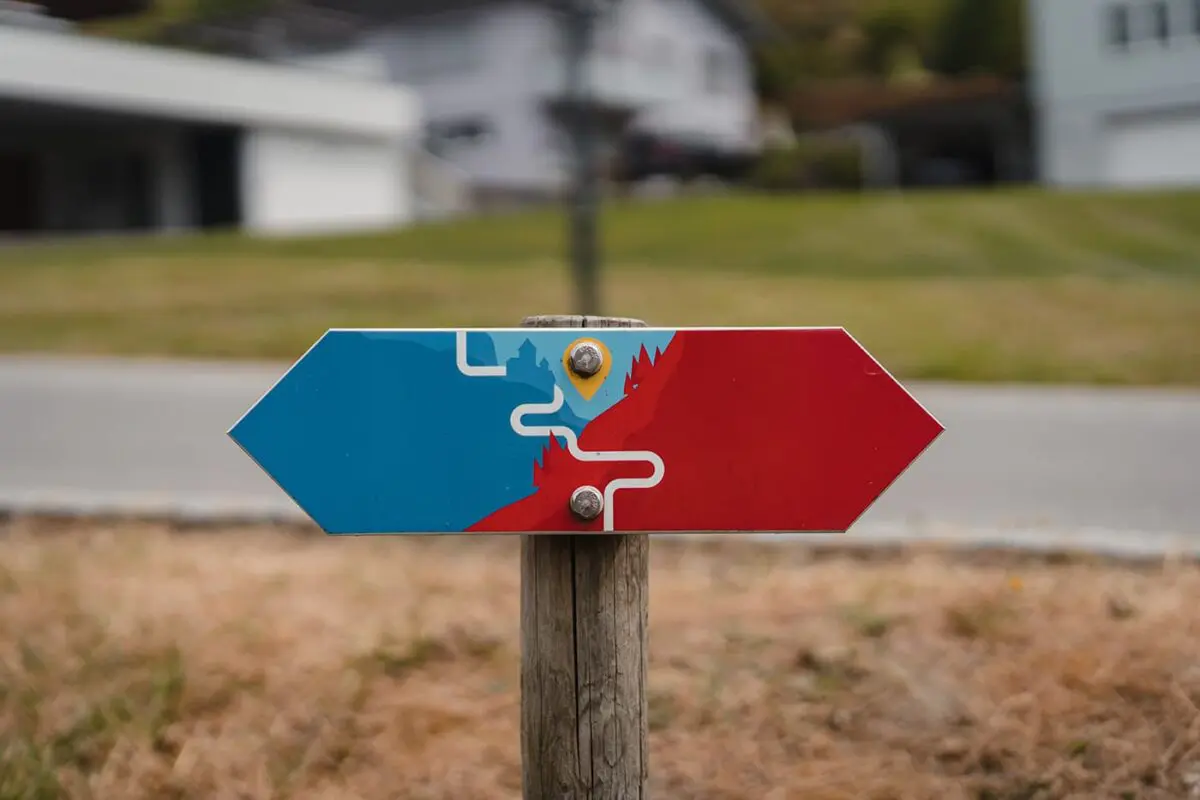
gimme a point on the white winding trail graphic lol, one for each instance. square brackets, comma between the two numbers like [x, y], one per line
[645, 456]
[460, 354]
[516, 420]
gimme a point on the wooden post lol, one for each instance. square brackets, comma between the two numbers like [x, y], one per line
[584, 605]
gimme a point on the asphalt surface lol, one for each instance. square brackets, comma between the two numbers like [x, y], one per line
[1111, 466]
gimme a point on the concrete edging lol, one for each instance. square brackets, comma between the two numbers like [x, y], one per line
[208, 512]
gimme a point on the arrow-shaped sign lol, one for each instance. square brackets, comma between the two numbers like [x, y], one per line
[571, 430]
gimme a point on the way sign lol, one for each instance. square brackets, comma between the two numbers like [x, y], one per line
[572, 430]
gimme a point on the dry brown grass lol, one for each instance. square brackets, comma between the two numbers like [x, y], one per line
[143, 663]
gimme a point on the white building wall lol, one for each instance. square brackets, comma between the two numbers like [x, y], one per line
[298, 182]
[1155, 149]
[706, 68]
[356, 63]
[322, 151]
[1109, 114]
[1074, 58]
[500, 63]
[480, 65]
[51, 67]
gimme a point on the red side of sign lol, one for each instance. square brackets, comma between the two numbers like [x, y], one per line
[758, 429]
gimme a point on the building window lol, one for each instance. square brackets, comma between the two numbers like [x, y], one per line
[443, 136]
[1118, 26]
[1160, 20]
[719, 72]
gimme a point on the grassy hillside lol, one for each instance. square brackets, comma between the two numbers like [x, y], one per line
[991, 286]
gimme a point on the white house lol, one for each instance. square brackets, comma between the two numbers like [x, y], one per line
[97, 135]
[1116, 91]
[491, 73]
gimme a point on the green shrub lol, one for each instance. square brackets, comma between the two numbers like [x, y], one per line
[810, 165]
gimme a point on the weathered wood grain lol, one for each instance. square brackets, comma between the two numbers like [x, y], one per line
[584, 608]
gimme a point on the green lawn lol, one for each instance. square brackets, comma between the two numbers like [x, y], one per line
[1023, 286]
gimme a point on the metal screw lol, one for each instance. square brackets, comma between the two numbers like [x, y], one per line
[587, 502]
[586, 359]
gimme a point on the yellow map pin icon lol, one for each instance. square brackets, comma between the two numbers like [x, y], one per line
[587, 385]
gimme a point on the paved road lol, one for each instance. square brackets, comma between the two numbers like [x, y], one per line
[149, 435]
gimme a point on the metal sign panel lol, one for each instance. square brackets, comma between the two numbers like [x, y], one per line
[527, 430]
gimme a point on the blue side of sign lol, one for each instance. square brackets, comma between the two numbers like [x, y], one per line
[381, 432]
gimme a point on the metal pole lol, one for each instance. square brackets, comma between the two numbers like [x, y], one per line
[584, 207]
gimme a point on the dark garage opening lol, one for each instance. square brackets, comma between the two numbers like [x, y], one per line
[216, 167]
[19, 200]
[961, 156]
[138, 210]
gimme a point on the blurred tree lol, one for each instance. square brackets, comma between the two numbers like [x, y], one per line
[981, 36]
[817, 32]
[828, 39]
[889, 32]
[207, 9]
[163, 14]
[890, 40]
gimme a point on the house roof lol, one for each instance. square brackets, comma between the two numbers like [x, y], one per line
[49, 68]
[327, 23]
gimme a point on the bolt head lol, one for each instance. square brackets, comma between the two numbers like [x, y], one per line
[587, 503]
[586, 359]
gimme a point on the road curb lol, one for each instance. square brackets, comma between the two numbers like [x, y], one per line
[1041, 543]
